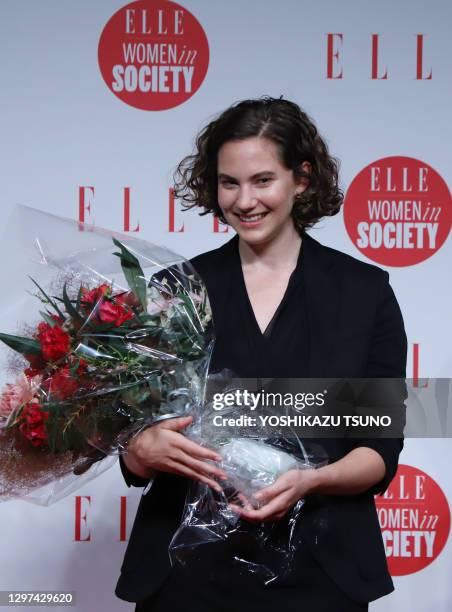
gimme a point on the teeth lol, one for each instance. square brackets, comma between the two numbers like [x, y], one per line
[251, 217]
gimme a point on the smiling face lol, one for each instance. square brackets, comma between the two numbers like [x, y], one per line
[255, 190]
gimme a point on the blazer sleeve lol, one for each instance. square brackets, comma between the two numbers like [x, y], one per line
[131, 479]
[387, 360]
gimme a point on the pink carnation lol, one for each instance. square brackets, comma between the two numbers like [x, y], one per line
[16, 394]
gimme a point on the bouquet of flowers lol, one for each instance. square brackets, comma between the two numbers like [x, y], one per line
[105, 359]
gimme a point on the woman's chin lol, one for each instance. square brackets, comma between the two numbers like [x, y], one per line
[258, 236]
[252, 237]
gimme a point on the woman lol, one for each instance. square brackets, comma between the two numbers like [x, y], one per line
[283, 306]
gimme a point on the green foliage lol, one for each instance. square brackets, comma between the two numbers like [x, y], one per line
[70, 309]
[133, 273]
[26, 346]
[47, 300]
[48, 318]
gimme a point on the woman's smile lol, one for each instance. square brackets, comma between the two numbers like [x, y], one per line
[250, 221]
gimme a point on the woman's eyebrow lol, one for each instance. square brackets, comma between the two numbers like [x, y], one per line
[258, 175]
[221, 175]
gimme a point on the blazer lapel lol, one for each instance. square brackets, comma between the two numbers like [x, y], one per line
[321, 298]
[217, 270]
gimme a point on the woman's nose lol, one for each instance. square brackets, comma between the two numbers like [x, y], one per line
[246, 200]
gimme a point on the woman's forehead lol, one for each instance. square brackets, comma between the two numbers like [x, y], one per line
[248, 156]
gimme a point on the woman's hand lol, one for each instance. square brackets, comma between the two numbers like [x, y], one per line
[357, 472]
[278, 498]
[162, 447]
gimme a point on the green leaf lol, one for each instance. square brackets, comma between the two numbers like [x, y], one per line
[74, 368]
[133, 272]
[48, 318]
[26, 346]
[99, 327]
[188, 303]
[79, 299]
[49, 300]
[16, 417]
[70, 309]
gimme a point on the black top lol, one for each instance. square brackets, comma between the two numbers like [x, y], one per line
[282, 350]
[339, 318]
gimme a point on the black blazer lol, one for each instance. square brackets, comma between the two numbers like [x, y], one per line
[355, 331]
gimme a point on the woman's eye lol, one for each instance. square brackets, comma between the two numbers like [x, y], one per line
[264, 180]
[226, 183]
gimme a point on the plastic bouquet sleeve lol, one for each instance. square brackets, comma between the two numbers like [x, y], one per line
[212, 537]
[104, 334]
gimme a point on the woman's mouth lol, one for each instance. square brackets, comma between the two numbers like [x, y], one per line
[251, 219]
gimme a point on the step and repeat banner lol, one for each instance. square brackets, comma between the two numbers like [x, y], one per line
[101, 100]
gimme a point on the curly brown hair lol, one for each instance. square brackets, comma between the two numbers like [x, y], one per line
[284, 123]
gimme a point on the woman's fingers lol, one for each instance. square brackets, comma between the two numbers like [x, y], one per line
[246, 509]
[254, 518]
[278, 506]
[176, 424]
[235, 498]
[200, 466]
[280, 515]
[272, 491]
[164, 447]
[196, 450]
[246, 504]
[184, 470]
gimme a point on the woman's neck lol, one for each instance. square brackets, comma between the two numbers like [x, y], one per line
[280, 251]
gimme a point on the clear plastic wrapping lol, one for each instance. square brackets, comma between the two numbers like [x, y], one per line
[112, 338]
[212, 537]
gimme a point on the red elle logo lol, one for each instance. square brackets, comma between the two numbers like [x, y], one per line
[86, 201]
[414, 518]
[397, 211]
[82, 527]
[153, 54]
[334, 70]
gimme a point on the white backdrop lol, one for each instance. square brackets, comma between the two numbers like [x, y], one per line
[64, 132]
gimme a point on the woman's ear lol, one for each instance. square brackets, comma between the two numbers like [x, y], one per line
[303, 182]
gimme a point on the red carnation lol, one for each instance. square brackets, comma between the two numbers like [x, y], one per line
[55, 342]
[114, 312]
[32, 424]
[65, 383]
[96, 294]
[61, 385]
[37, 365]
[128, 299]
[82, 367]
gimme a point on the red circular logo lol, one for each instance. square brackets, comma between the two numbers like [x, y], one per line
[153, 54]
[397, 211]
[415, 521]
